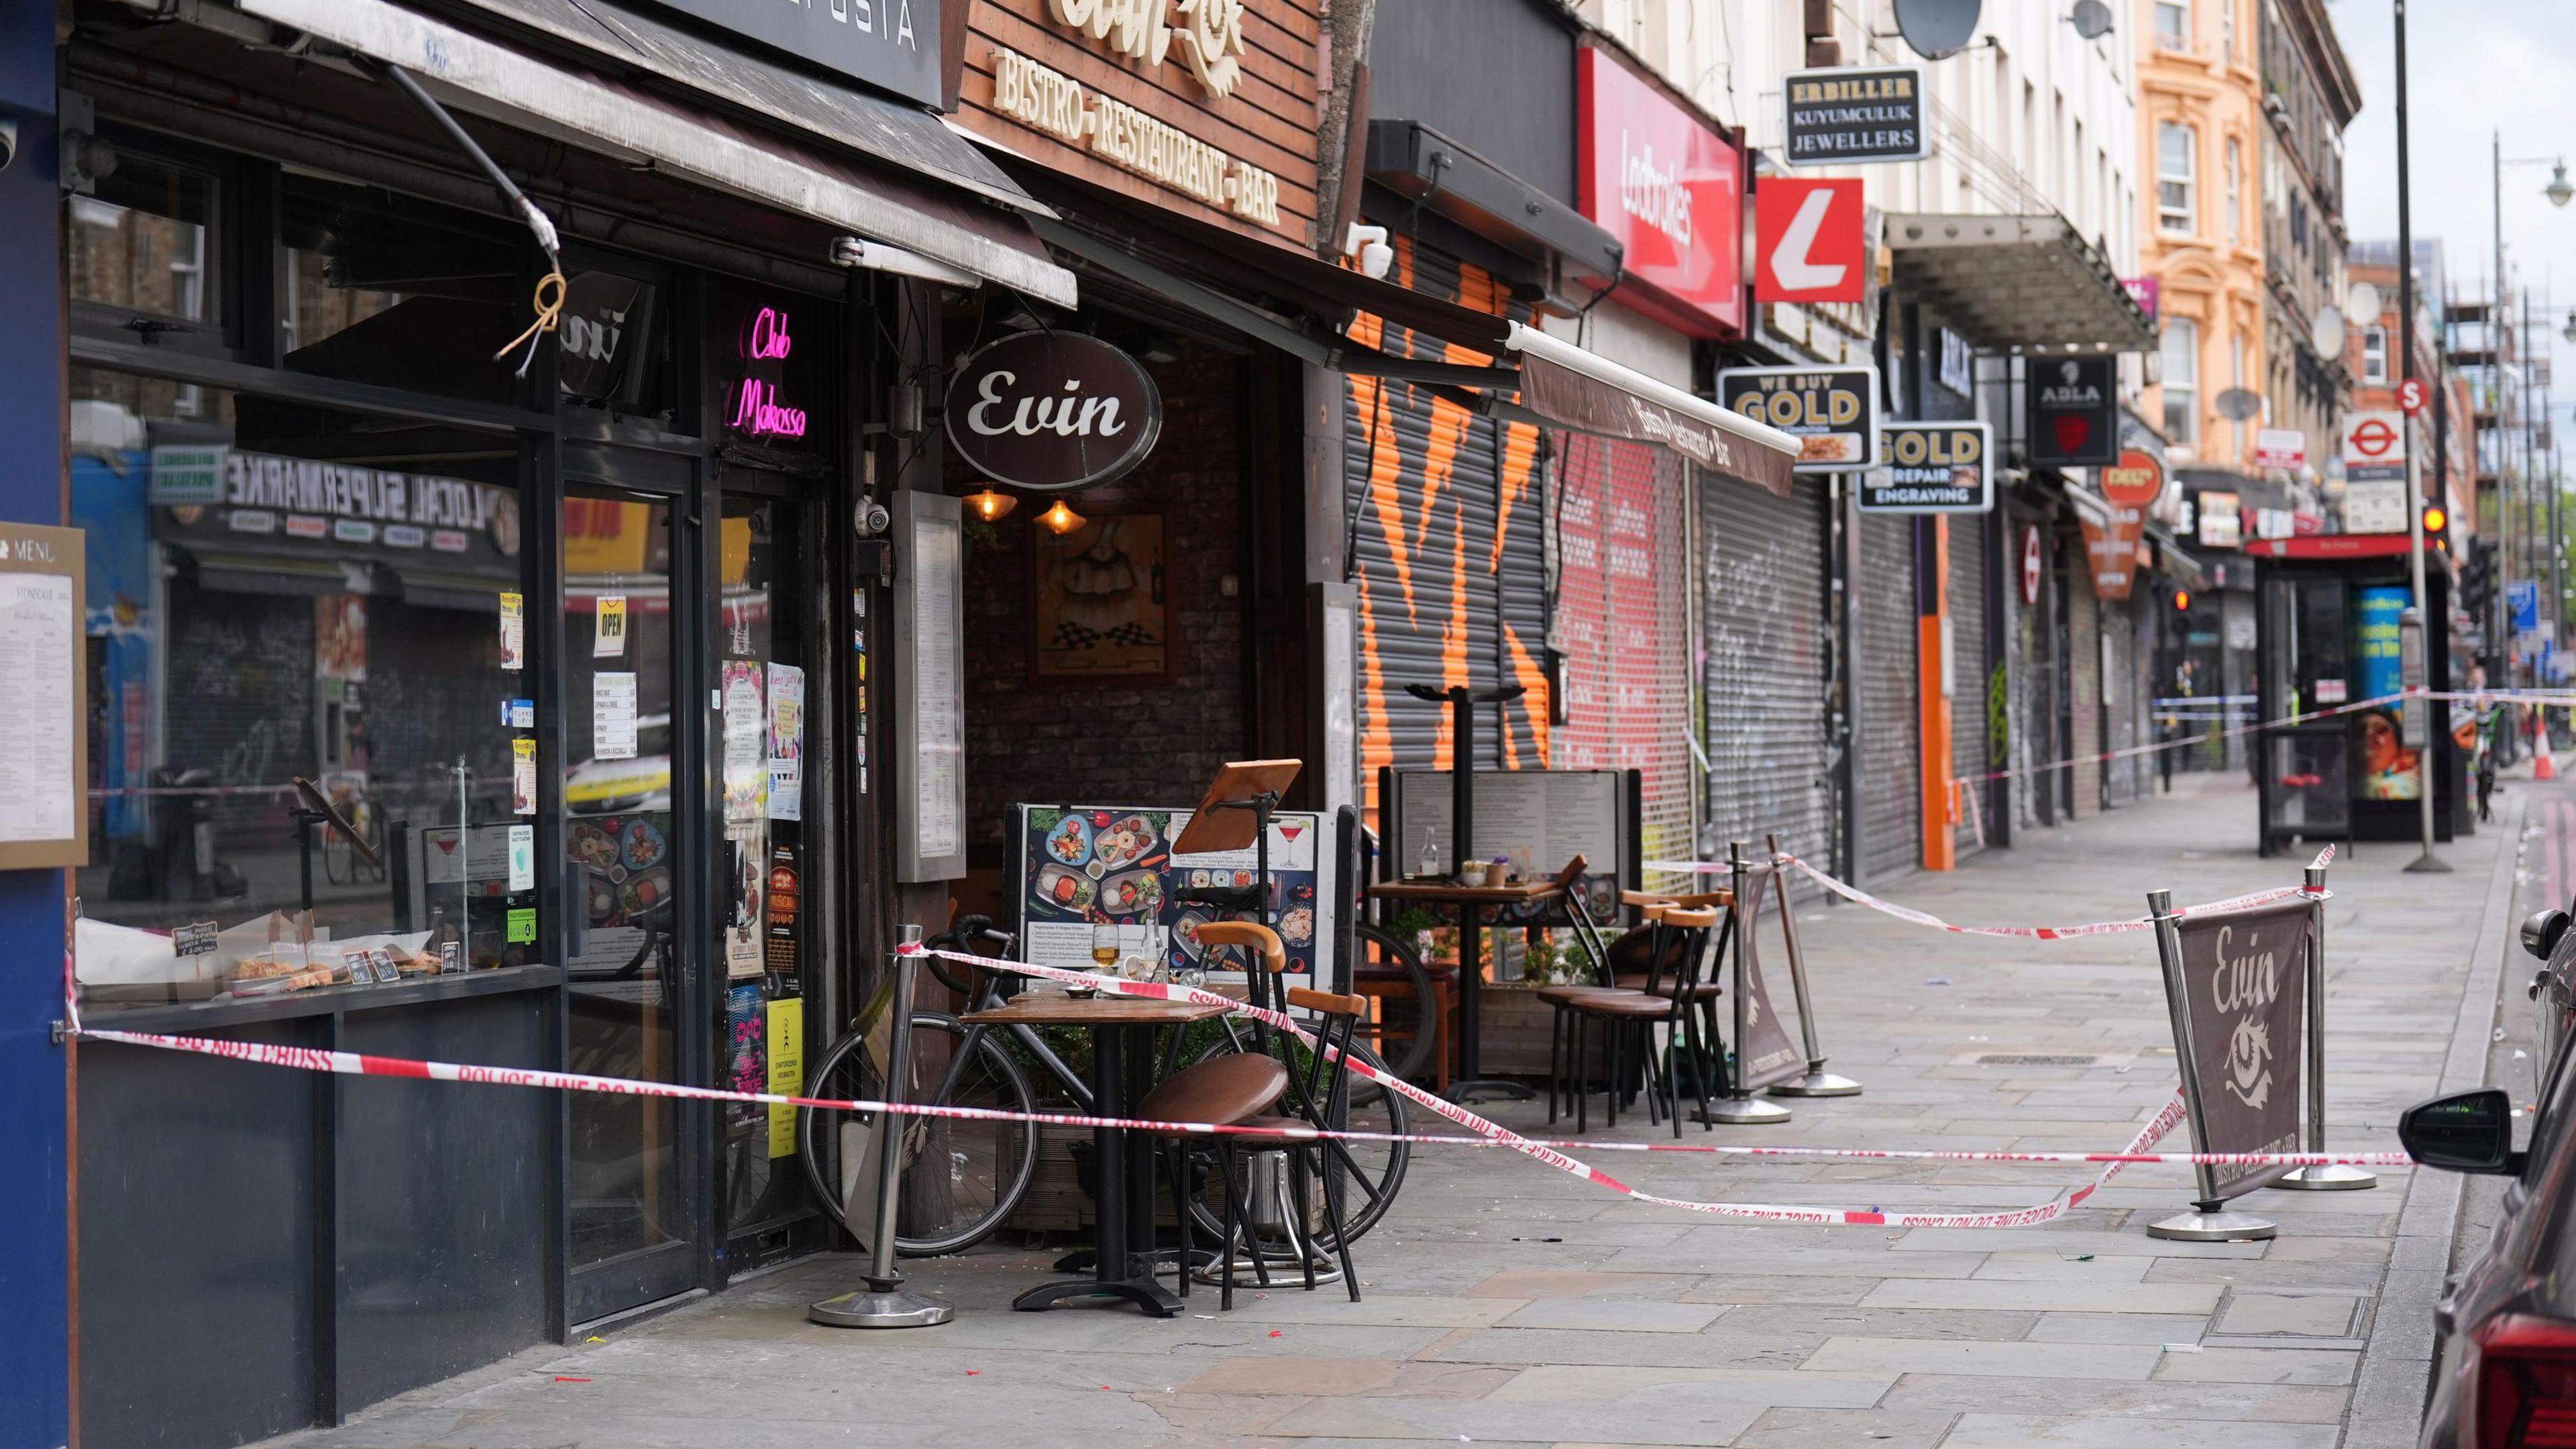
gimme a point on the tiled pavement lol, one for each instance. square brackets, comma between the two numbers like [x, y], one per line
[1508, 1304]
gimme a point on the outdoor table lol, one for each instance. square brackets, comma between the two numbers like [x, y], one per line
[1122, 1057]
[1470, 903]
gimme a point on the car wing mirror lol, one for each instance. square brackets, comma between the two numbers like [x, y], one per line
[2540, 932]
[2464, 1132]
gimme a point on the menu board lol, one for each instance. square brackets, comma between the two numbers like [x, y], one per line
[1078, 866]
[1546, 816]
[930, 743]
[43, 762]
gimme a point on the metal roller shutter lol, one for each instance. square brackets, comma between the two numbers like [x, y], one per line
[2120, 699]
[1623, 627]
[1886, 779]
[1968, 671]
[2084, 661]
[1446, 551]
[1764, 605]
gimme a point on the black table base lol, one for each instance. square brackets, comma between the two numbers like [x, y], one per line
[1125, 1192]
[1471, 978]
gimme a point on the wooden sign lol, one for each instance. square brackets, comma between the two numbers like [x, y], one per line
[1048, 411]
[44, 709]
[1208, 107]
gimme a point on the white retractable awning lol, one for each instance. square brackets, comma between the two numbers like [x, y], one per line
[492, 80]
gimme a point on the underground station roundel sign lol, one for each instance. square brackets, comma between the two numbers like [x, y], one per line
[1049, 411]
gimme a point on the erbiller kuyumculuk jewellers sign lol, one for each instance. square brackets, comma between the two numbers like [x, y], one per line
[2245, 980]
[1197, 43]
[1832, 411]
[890, 44]
[1050, 411]
[1670, 189]
[1930, 468]
[1855, 113]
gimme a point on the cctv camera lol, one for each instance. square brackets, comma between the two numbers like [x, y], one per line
[8, 143]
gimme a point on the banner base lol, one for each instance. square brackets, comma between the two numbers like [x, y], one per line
[898, 1309]
[1818, 1083]
[1742, 1112]
[2218, 1227]
[2329, 1177]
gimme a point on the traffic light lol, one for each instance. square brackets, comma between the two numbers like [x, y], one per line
[2182, 599]
[2434, 521]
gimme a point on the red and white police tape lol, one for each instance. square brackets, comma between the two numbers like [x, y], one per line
[1487, 1133]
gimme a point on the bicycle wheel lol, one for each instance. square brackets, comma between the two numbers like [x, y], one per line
[961, 1178]
[1408, 1013]
[1367, 1175]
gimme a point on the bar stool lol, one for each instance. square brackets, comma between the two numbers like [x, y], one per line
[1627, 1014]
[1320, 1101]
[1222, 1091]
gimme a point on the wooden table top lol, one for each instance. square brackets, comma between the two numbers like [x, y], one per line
[1433, 892]
[1051, 1010]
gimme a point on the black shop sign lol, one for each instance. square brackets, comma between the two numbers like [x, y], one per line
[1049, 411]
[2073, 407]
[1851, 113]
[1930, 468]
[1831, 411]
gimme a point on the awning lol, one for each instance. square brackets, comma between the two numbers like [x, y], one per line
[2027, 283]
[1558, 384]
[595, 113]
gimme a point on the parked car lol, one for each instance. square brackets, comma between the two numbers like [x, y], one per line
[2506, 1378]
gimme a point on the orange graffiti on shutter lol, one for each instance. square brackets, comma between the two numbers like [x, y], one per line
[1449, 423]
[1519, 480]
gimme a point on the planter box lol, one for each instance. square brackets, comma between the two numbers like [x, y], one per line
[1515, 1024]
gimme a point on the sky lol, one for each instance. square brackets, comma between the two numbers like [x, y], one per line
[2473, 67]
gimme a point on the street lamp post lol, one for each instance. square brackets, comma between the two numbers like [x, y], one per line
[2411, 625]
[2510, 530]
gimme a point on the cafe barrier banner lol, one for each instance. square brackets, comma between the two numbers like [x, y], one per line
[2244, 980]
[1764, 1053]
[1487, 1132]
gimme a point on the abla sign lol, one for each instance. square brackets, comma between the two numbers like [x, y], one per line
[1051, 411]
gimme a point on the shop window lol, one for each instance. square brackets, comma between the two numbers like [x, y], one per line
[143, 244]
[2177, 169]
[2181, 348]
[2374, 354]
[280, 593]
[2235, 188]
[387, 290]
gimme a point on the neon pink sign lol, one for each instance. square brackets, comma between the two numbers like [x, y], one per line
[756, 409]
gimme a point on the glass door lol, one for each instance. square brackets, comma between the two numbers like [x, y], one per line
[762, 842]
[628, 797]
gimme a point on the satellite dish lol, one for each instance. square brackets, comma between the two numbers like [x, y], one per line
[2326, 333]
[2092, 19]
[2363, 301]
[1937, 28]
[2238, 404]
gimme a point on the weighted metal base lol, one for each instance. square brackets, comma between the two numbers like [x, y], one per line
[1818, 1083]
[2330, 1177]
[1283, 1272]
[1742, 1112]
[2217, 1227]
[898, 1309]
[1464, 1092]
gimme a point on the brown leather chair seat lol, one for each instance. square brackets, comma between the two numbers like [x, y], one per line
[1567, 995]
[1222, 1089]
[1625, 1003]
[1703, 991]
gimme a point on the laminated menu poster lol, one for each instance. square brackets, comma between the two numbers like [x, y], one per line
[1081, 865]
[40, 712]
[746, 770]
[1544, 816]
[786, 742]
[612, 716]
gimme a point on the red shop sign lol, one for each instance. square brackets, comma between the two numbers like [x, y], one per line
[1670, 189]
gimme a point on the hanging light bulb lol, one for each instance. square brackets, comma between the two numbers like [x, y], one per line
[1059, 519]
[2559, 191]
[991, 504]
[2569, 331]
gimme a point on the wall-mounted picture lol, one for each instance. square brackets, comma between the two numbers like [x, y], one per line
[1102, 609]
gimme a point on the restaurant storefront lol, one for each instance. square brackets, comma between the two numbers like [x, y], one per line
[398, 630]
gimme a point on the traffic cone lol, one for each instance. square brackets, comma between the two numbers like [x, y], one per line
[2544, 764]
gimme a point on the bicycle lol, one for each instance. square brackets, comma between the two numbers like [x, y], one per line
[991, 1163]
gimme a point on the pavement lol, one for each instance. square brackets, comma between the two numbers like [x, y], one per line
[1507, 1304]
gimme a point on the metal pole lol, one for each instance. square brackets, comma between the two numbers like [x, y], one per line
[1817, 1082]
[2210, 1220]
[887, 1303]
[2414, 708]
[2495, 362]
[1739, 1107]
[2329, 1178]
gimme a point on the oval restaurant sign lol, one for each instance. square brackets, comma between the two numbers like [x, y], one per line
[1049, 411]
[2130, 486]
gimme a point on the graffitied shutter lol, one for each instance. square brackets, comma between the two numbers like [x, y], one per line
[1446, 549]
[1885, 779]
[1763, 607]
[2120, 695]
[1623, 624]
[1968, 672]
[2084, 663]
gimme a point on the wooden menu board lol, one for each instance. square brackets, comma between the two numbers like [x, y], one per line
[1554, 815]
[44, 706]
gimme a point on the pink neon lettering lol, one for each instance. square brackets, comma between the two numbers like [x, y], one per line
[769, 337]
[757, 412]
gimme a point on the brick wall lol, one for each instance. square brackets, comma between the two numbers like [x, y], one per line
[1140, 742]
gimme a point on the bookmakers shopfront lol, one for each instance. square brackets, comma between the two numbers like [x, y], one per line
[509, 709]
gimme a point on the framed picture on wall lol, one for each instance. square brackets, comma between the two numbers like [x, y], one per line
[1102, 609]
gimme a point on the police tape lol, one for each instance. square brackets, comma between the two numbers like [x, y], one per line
[1487, 1133]
[1881, 904]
